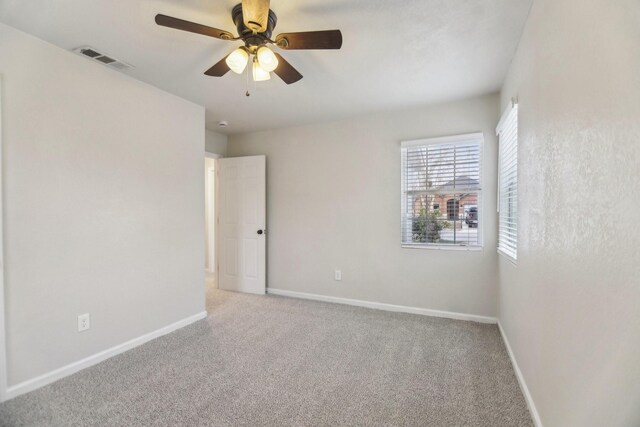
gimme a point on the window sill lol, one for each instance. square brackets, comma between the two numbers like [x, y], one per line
[508, 257]
[442, 247]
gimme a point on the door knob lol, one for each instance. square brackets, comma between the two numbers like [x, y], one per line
[260, 231]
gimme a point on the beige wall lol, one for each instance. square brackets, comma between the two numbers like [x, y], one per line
[333, 202]
[103, 205]
[215, 142]
[571, 306]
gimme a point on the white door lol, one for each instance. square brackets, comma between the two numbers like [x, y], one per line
[210, 215]
[242, 221]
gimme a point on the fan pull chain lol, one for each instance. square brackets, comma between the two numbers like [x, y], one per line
[247, 82]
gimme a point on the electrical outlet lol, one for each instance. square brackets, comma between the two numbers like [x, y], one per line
[84, 322]
[338, 275]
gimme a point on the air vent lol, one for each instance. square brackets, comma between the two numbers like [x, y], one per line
[90, 53]
[105, 59]
[96, 55]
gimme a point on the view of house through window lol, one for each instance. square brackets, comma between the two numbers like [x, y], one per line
[441, 190]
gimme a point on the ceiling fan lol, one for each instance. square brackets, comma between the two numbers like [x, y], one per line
[255, 23]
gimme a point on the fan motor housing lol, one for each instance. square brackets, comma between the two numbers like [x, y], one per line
[250, 38]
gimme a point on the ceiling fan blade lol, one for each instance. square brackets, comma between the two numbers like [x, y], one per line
[329, 39]
[255, 14]
[192, 27]
[219, 69]
[285, 71]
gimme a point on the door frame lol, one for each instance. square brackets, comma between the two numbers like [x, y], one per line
[3, 342]
[208, 202]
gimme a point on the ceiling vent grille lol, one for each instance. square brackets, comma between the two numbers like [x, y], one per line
[109, 61]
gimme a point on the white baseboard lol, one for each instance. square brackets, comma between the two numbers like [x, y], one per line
[521, 381]
[383, 306]
[49, 377]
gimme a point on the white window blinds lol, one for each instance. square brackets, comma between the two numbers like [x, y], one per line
[508, 183]
[441, 192]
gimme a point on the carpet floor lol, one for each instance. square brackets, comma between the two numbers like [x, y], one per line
[276, 361]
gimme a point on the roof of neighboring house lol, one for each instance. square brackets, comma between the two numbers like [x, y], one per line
[460, 182]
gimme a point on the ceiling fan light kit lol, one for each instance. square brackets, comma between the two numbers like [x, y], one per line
[237, 60]
[255, 23]
[267, 59]
[259, 73]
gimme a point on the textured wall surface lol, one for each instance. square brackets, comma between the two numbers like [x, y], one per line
[333, 202]
[104, 206]
[571, 306]
[215, 142]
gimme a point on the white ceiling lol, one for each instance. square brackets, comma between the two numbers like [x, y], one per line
[396, 54]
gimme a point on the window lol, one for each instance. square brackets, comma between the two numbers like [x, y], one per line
[508, 183]
[453, 208]
[442, 172]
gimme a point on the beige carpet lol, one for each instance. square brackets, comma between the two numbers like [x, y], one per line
[275, 361]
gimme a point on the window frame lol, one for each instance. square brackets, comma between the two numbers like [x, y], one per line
[477, 137]
[510, 252]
